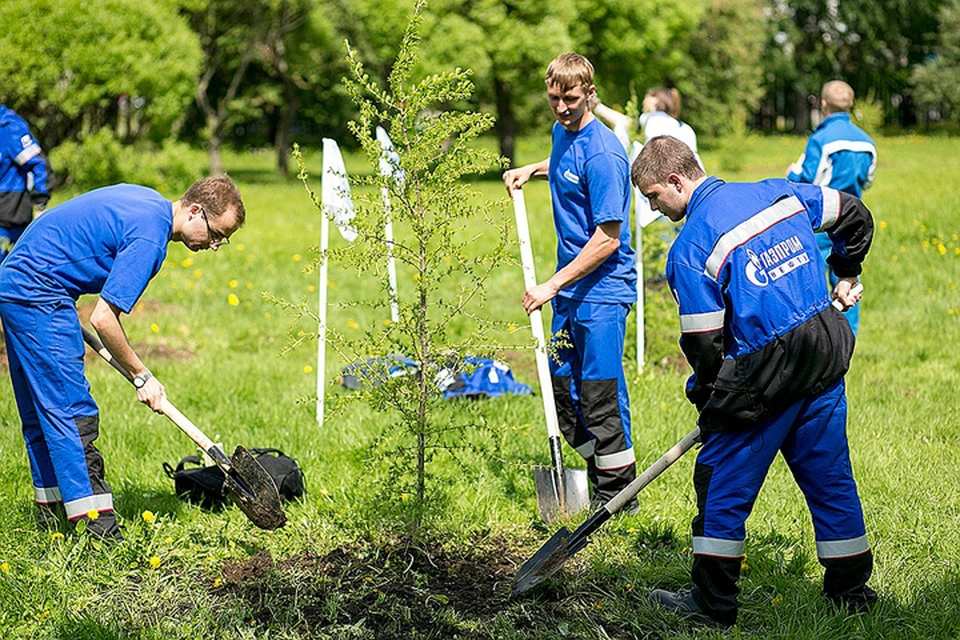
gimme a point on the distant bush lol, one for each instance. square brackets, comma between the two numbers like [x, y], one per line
[101, 159]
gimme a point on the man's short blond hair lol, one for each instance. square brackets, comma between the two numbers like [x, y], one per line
[838, 96]
[570, 70]
[659, 158]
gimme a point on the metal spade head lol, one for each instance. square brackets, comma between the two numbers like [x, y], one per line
[548, 560]
[253, 490]
[577, 492]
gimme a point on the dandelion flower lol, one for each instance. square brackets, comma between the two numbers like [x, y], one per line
[187, 262]
[311, 288]
[148, 516]
[216, 582]
[233, 284]
[883, 224]
[154, 562]
[168, 540]
[56, 537]
[308, 369]
[233, 300]
[5, 567]
[942, 249]
[250, 286]
[404, 496]
[297, 257]
[155, 328]
[93, 514]
[197, 274]
[512, 328]
[352, 324]
[240, 246]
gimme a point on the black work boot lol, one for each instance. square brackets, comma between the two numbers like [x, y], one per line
[845, 582]
[51, 516]
[683, 603]
[103, 527]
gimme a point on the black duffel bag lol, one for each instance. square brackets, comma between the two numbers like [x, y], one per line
[203, 485]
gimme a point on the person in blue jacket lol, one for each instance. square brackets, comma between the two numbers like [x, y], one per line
[594, 285]
[112, 242]
[839, 155]
[769, 352]
[23, 178]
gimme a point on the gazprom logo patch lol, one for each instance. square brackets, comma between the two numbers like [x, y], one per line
[26, 141]
[755, 271]
[571, 176]
[776, 262]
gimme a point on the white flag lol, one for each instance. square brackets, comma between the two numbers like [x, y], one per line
[335, 191]
[389, 160]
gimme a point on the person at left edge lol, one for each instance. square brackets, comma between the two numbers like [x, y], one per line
[23, 178]
[112, 242]
[595, 282]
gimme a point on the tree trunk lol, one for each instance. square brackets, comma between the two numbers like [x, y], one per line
[288, 115]
[801, 113]
[506, 125]
[216, 162]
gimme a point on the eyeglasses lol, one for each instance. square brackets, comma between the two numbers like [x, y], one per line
[215, 238]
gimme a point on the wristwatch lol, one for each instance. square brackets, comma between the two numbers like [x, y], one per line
[141, 379]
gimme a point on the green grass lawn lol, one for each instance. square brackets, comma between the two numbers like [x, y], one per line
[341, 568]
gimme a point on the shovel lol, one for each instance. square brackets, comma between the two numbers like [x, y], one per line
[563, 545]
[245, 481]
[560, 492]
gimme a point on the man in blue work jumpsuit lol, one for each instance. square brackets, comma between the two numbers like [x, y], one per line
[769, 352]
[111, 242]
[23, 178]
[838, 155]
[595, 282]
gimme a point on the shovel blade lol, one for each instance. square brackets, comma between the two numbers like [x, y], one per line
[252, 489]
[548, 560]
[577, 492]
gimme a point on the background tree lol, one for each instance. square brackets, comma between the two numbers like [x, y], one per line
[230, 34]
[936, 82]
[720, 80]
[72, 68]
[871, 45]
[504, 45]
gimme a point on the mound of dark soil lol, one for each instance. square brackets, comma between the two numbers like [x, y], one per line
[394, 591]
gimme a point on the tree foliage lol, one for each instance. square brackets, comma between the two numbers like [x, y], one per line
[443, 216]
[937, 81]
[72, 67]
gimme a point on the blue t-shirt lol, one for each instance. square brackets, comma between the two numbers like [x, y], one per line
[590, 185]
[110, 241]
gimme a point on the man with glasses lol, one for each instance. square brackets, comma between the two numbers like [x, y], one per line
[112, 242]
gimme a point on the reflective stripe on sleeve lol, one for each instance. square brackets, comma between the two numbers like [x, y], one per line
[843, 548]
[831, 209]
[700, 322]
[717, 547]
[615, 460]
[748, 229]
[586, 449]
[47, 495]
[27, 154]
[83, 506]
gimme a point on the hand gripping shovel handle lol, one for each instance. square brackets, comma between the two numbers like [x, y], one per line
[543, 365]
[185, 425]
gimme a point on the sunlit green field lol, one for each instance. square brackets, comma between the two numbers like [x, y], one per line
[207, 333]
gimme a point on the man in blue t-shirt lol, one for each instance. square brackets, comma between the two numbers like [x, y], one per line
[838, 155]
[111, 242]
[769, 352]
[595, 282]
[23, 178]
